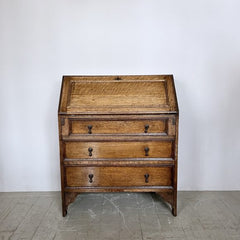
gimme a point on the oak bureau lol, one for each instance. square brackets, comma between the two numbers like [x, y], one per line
[118, 134]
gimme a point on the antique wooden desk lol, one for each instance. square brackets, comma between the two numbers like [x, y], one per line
[118, 134]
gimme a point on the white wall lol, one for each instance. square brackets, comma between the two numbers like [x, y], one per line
[197, 41]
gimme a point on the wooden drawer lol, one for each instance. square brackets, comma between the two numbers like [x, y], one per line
[119, 127]
[91, 150]
[118, 176]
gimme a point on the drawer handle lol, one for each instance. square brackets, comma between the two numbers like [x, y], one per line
[90, 150]
[146, 177]
[146, 127]
[89, 129]
[146, 149]
[90, 178]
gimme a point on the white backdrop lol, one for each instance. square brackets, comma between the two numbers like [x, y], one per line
[197, 41]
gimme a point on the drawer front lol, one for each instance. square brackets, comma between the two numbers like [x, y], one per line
[91, 150]
[118, 176]
[119, 127]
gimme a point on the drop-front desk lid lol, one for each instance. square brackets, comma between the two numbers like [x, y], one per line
[118, 95]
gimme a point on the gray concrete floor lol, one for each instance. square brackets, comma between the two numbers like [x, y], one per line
[201, 215]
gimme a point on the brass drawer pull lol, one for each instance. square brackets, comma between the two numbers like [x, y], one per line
[90, 178]
[146, 127]
[90, 150]
[146, 177]
[146, 149]
[89, 129]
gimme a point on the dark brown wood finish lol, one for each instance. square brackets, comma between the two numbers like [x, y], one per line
[118, 133]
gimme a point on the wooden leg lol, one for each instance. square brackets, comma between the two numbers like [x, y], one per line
[67, 198]
[174, 204]
[64, 212]
[174, 211]
[171, 198]
[64, 207]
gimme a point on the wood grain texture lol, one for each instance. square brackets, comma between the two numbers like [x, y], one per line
[118, 176]
[75, 125]
[117, 138]
[119, 127]
[109, 95]
[118, 134]
[120, 162]
[105, 94]
[115, 150]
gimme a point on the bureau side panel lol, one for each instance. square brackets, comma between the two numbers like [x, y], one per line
[175, 169]
[62, 169]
